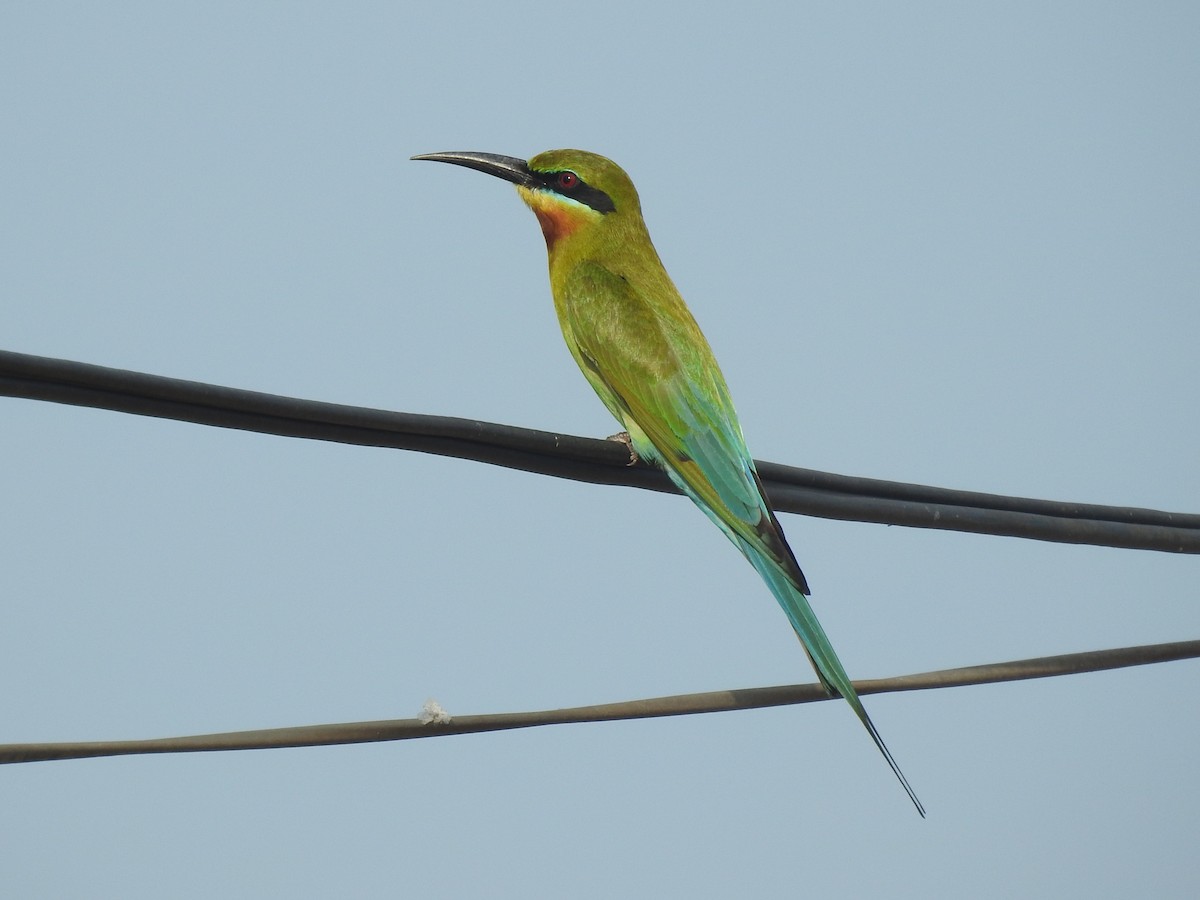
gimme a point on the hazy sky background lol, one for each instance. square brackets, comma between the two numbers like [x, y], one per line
[938, 243]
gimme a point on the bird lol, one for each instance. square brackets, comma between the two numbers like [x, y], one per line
[640, 348]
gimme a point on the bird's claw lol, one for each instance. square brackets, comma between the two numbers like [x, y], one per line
[622, 437]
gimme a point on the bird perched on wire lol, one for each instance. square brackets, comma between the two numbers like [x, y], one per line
[642, 352]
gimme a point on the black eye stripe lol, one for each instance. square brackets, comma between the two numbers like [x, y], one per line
[576, 189]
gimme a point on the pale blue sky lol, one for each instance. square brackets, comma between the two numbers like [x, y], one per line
[938, 243]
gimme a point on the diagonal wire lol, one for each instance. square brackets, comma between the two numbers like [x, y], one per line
[680, 705]
[583, 459]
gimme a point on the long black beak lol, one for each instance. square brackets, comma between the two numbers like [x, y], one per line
[507, 167]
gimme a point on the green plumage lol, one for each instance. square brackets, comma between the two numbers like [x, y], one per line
[639, 347]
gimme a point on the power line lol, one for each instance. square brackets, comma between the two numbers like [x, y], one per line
[605, 462]
[584, 459]
[679, 705]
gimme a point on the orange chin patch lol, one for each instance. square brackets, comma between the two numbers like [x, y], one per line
[557, 218]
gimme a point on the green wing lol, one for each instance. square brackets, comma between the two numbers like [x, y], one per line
[655, 371]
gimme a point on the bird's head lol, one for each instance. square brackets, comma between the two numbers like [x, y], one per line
[570, 191]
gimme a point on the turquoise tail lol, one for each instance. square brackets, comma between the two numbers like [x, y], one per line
[790, 589]
[820, 651]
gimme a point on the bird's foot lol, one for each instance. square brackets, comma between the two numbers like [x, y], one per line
[622, 437]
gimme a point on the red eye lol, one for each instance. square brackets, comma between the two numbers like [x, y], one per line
[567, 180]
